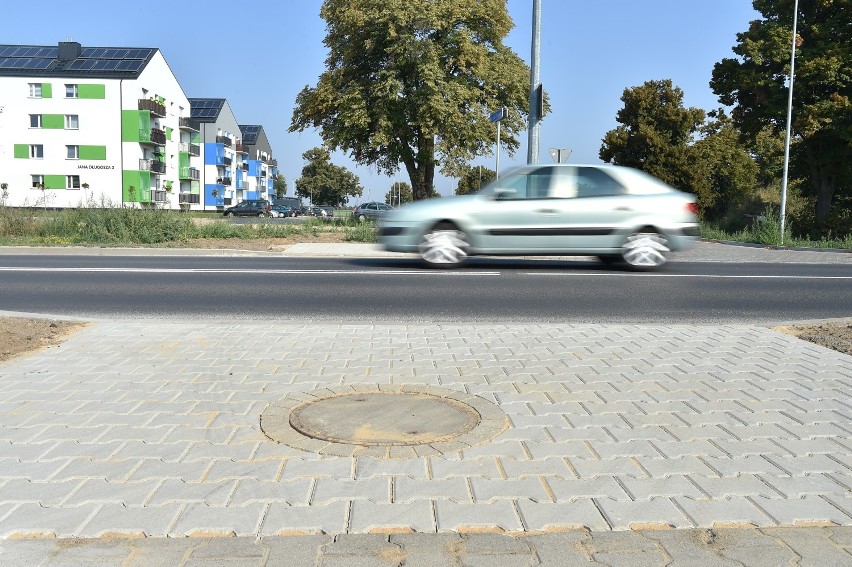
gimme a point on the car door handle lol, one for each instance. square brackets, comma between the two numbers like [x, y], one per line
[547, 211]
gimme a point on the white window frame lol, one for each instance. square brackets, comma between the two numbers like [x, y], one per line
[36, 179]
[72, 181]
[72, 152]
[37, 120]
[36, 151]
[72, 87]
[35, 90]
[69, 118]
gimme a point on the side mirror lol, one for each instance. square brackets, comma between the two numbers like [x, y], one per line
[504, 193]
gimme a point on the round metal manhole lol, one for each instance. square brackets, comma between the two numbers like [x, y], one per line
[383, 421]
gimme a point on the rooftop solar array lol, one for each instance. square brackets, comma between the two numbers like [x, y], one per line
[250, 134]
[205, 109]
[92, 61]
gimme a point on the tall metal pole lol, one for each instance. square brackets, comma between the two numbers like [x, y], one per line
[497, 165]
[535, 112]
[789, 121]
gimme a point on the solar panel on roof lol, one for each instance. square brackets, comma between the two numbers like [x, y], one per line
[29, 51]
[138, 54]
[43, 64]
[135, 66]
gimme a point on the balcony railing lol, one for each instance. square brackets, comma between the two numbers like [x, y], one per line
[224, 181]
[272, 162]
[189, 199]
[227, 201]
[189, 173]
[244, 166]
[153, 106]
[158, 196]
[194, 150]
[153, 136]
[242, 148]
[224, 140]
[228, 162]
[152, 165]
[187, 124]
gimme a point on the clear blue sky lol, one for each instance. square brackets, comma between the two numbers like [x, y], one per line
[260, 55]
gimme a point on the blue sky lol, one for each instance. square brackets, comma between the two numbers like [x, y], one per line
[260, 55]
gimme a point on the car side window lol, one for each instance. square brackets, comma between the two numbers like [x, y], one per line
[534, 185]
[593, 182]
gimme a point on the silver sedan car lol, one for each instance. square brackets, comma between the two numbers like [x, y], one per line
[618, 214]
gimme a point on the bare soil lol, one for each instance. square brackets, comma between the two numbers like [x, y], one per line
[22, 336]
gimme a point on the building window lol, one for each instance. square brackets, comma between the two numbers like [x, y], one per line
[38, 181]
[72, 181]
[73, 152]
[72, 122]
[35, 120]
[35, 90]
[70, 91]
[36, 151]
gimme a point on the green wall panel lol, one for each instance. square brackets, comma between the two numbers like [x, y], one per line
[22, 151]
[47, 91]
[53, 121]
[141, 181]
[134, 123]
[168, 133]
[93, 152]
[183, 159]
[91, 91]
[54, 182]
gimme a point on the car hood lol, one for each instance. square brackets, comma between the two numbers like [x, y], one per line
[431, 208]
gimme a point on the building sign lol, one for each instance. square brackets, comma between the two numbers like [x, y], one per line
[84, 166]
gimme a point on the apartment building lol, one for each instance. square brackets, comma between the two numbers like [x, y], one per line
[102, 126]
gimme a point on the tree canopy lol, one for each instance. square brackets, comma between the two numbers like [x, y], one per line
[413, 82]
[756, 85]
[655, 133]
[400, 193]
[473, 179]
[325, 183]
[280, 185]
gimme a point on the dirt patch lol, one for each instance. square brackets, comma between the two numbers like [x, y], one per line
[255, 244]
[836, 335]
[21, 336]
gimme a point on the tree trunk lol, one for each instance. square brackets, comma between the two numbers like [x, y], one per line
[421, 169]
[823, 183]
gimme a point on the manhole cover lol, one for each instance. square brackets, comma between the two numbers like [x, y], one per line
[382, 421]
[401, 418]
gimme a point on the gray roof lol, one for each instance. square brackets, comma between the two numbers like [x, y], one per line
[70, 59]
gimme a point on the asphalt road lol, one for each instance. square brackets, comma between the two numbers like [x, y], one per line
[401, 289]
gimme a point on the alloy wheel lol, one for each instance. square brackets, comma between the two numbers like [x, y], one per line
[444, 246]
[645, 250]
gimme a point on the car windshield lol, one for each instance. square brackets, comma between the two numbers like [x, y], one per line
[522, 183]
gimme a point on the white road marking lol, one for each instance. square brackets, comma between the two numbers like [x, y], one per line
[241, 271]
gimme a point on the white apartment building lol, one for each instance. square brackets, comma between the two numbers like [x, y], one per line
[101, 126]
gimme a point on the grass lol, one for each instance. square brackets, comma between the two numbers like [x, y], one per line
[116, 226]
[766, 230]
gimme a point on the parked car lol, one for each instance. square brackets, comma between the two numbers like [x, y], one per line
[281, 211]
[373, 210]
[614, 213]
[248, 208]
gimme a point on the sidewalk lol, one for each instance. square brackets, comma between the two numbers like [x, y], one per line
[625, 445]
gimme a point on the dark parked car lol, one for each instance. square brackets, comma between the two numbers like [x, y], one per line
[281, 211]
[372, 210]
[250, 208]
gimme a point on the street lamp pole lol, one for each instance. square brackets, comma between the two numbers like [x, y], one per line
[536, 98]
[789, 121]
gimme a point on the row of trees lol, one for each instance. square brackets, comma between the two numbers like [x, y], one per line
[412, 82]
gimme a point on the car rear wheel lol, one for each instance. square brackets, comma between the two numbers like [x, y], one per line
[231, 214]
[362, 218]
[445, 246]
[645, 250]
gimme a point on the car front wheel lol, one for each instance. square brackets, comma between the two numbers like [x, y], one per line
[645, 250]
[231, 214]
[362, 218]
[445, 245]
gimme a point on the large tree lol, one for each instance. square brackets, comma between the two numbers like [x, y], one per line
[280, 185]
[413, 82]
[325, 183]
[756, 84]
[655, 133]
[473, 179]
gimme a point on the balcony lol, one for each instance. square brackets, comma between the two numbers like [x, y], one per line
[153, 136]
[189, 199]
[263, 173]
[241, 148]
[152, 165]
[158, 195]
[227, 201]
[188, 124]
[194, 150]
[224, 181]
[244, 166]
[225, 140]
[272, 162]
[156, 108]
[189, 173]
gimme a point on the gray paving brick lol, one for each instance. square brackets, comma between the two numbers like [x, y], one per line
[625, 515]
[543, 516]
[369, 516]
[339, 468]
[369, 468]
[406, 489]
[118, 519]
[200, 519]
[99, 491]
[809, 508]
[482, 467]
[328, 490]
[619, 466]
[223, 469]
[33, 520]
[453, 516]
[170, 491]
[156, 469]
[736, 510]
[47, 494]
[569, 490]
[489, 490]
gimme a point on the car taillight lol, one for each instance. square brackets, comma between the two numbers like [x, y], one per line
[692, 208]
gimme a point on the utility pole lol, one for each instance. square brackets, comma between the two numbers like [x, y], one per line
[536, 92]
[789, 121]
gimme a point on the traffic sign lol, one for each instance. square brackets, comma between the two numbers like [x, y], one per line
[499, 115]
